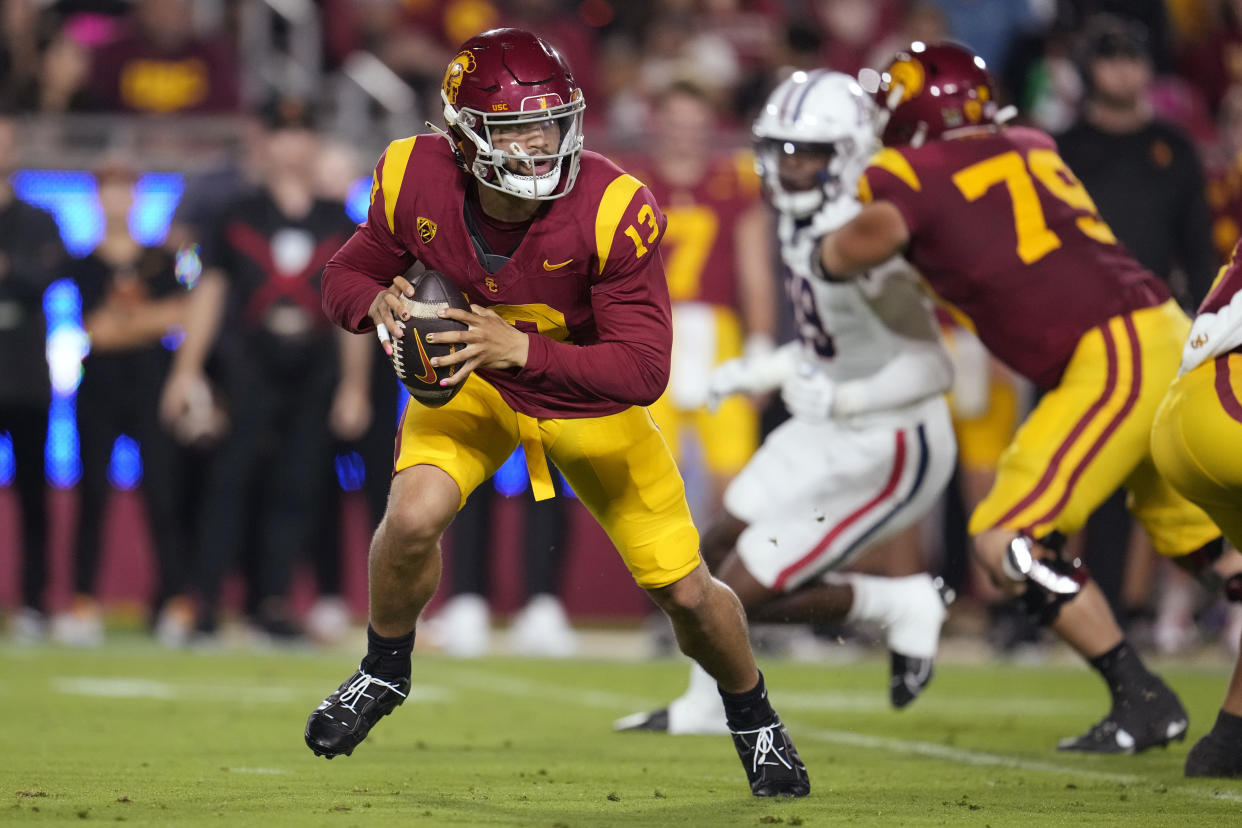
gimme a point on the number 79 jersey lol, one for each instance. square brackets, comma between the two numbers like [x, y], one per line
[1004, 233]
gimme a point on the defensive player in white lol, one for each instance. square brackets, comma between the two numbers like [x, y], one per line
[869, 447]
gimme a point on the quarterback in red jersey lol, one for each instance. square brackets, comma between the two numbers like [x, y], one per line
[1197, 445]
[568, 338]
[1004, 233]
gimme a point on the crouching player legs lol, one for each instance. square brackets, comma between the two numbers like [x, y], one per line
[1197, 445]
[622, 471]
[1072, 451]
[814, 498]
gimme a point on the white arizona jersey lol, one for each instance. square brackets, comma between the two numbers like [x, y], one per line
[818, 494]
[852, 329]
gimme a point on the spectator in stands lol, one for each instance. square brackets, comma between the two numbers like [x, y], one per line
[1145, 176]
[160, 65]
[852, 29]
[1225, 184]
[990, 28]
[131, 300]
[1210, 63]
[31, 256]
[280, 366]
[366, 428]
[416, 40]
[19, 49]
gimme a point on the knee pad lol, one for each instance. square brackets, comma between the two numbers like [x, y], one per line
[1051, 582]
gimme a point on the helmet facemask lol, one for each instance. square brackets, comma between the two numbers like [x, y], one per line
[500, 162]
[802, 201]
[817, 114]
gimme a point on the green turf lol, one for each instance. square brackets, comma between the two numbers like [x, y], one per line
[135, 734]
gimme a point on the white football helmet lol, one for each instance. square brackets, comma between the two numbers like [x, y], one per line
[816, 112]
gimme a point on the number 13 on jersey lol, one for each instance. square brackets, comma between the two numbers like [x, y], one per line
[1018, 175]
[646, 218]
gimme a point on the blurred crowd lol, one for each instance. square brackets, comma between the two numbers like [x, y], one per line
[207, 347]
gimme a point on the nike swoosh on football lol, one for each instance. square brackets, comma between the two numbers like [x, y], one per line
[429, 373]
[547, 266]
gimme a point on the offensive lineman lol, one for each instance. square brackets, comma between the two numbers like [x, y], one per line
[1002, 230]
[1196, 442]
[870, 445]
[567, 341]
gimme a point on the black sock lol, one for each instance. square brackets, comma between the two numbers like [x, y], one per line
[1228, 726]
[749, 710]
[1123, 670]
[388, 657]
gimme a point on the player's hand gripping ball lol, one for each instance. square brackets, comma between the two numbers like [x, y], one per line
[412, 353]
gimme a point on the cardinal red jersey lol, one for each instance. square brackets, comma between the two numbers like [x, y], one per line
[698, 247]
[1228, 283]
[1003, 231]
[587, 277]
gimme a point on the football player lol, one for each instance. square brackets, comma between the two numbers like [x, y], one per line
[1197, 445]
[567, 341]
[870, 444]
[1003, 231]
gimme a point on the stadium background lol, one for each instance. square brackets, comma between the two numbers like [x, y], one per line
[309, 49]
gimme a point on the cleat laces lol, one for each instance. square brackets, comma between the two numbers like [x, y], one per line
[357, 690]
[765, 744]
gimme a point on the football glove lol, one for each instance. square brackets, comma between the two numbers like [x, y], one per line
[757, 374]
[809, 394]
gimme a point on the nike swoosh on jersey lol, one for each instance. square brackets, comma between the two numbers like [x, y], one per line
[547, 266]
[429, 373]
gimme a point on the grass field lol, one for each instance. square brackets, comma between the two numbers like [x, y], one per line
[136, 734]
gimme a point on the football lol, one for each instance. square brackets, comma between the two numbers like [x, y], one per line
[412, 353]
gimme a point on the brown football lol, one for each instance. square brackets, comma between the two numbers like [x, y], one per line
[412, 353]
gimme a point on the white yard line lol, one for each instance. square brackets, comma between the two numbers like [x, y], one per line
[141, 688]
[477, 679]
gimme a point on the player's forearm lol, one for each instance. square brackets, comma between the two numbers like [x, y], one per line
[112, 328]
[356, 353]
[755, 277]
[619, 372]
[913, 376]
[354, 275]
[871, 238]
[347, 296]
[203, 314]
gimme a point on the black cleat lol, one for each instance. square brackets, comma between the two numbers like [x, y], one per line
[656, 720]
[1149, 718]
[345, 718]
[1215, 757]
[771, 761]
[908, 676]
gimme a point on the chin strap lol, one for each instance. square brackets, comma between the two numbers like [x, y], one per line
[1051, 580]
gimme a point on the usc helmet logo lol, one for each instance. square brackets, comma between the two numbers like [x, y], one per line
[910, 74]
[457, 70]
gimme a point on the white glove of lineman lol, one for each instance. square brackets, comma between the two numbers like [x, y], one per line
[809, 394]
[755, 374]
